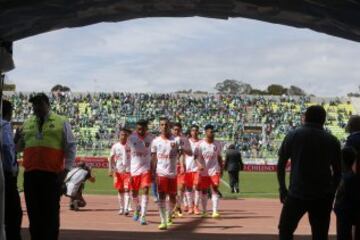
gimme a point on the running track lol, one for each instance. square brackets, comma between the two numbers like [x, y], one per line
[248, 219]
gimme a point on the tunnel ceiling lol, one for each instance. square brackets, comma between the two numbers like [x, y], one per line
[23, 18]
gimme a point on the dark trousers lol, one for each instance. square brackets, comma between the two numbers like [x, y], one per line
[78, 200]
[319, 217]
[234, 180]
[13, 212]
[345, 221]
[42, 195]
[343, 227]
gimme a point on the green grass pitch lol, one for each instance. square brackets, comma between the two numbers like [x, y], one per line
[252, 185]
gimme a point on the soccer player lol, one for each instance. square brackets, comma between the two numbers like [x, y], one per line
[139, 143]
[192, 174]
[184, 144]
[165, 151]
[119, 168]
[208, 155]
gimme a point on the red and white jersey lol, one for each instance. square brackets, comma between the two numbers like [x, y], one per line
[190, 163]
[166, 151]
[183, 143]
[121, 154]
[140, 153]
[208, 154]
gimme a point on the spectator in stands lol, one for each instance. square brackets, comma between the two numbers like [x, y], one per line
[49, 153]
[347, 203]
[233, 165]
[13, 212]
[315, 173]
[94, 116]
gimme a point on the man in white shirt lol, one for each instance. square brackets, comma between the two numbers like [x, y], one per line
[208, 155]
[119, 168]
[139, 143]
[165, 151]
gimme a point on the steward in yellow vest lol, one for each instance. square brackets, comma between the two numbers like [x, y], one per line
[49, 153]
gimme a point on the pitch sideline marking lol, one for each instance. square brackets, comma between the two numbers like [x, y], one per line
[245, 193]
[225, 183]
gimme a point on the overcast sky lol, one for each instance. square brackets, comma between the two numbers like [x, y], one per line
[169, 54]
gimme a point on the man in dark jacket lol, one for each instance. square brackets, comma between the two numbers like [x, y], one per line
[353, 141]
[347, 198]
[353, 127]
[315, 174]
[233, 164]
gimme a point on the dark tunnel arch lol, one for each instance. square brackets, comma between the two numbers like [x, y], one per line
[24, 18]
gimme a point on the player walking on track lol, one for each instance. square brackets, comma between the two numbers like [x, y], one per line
[192, 174]
[184, 144]
[208, 155]
[119, 168]
[165, 152]
[139, 143]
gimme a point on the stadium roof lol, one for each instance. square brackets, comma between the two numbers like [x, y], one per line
[23, 18]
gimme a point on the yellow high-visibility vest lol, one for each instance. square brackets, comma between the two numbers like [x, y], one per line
[44, 150]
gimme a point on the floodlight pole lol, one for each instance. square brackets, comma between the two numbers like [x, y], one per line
[2, 183]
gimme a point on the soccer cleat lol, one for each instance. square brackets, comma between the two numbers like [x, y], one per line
[169, 221]
[136, 215]
[143, 221]
[162, 226]
[186, 208]
[121, 211]
[126, 213]
[215, 215]
[178, 212]
[190, 211]
[204, 214]
[196, 211]
[76, 205]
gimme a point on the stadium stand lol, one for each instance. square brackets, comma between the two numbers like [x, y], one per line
[257, 124]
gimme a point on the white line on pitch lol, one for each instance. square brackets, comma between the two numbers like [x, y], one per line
[225, 183]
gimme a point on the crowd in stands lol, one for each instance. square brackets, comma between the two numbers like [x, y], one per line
[256, 124]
